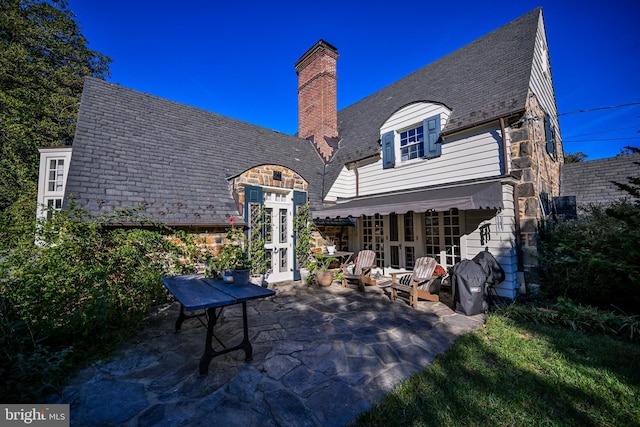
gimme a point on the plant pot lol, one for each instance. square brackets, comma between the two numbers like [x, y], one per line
[304, 275]
[227, 277]
[331, 249]
[241, 277]
[324, 278]
[258, 279]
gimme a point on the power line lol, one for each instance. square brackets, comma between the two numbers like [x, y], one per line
[603, 139]
[599, 108]
[602, 131]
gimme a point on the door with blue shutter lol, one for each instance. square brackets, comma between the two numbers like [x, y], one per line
[388, 150]
[432, 148]
[299, 199]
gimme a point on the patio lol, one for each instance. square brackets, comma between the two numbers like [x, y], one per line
[320, 357]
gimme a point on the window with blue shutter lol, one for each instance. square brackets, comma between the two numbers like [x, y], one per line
[550, 136]
[388, 151]
[433, 147]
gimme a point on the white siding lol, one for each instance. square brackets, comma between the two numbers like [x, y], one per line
[541, 83]
[344, 186]
[502, 244]
[472, 156]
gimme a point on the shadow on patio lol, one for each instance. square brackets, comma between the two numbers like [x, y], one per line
[320, 357]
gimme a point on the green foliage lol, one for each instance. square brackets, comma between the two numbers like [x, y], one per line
[303, 227]
[43, 61]
[257, 232]
[594, 260]
[233, 255]
[565, 313]
[575, 157]
[83, 283]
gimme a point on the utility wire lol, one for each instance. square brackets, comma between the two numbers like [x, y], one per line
[602, 131]
[599, 108]
[602, 139]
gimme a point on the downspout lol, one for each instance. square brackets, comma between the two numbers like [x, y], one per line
[357, 174]
[516, 196]
[505, 157]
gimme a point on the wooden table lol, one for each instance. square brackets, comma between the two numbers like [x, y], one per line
[195, 292]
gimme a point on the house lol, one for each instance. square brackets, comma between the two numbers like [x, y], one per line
[445, 162]
[592, 182]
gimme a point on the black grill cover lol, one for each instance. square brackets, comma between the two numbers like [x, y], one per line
[493, 270]
[469, 281]
[468, 288]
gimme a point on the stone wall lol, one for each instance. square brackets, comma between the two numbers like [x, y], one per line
[539, 173]
[265, 176]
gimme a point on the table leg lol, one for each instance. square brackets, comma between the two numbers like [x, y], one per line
[210, 353]
[183, 316]
[248, 350]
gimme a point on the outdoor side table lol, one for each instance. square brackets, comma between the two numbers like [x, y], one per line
[195, 292]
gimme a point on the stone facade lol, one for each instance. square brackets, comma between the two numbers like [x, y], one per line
[268, 176]
[539, 173]
[210, 242]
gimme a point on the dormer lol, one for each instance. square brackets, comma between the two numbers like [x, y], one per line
[54, 169]
[412, 134]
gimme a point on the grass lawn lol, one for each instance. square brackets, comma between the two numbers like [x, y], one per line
[513, 373]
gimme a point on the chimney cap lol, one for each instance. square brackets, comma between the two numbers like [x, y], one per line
[320, 44]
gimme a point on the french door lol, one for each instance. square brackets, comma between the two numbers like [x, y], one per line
[402, 241]
[279, 231]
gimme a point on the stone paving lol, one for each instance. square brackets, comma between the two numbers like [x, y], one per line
[320, 357]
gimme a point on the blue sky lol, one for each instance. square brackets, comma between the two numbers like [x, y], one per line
[236, 58]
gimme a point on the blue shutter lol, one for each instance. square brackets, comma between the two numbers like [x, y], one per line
[432, 146]
[388, 151]
[550, 137]
[252, 194]
[299, 199]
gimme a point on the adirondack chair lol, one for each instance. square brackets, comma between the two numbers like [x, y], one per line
[361, 273]
[417, 284]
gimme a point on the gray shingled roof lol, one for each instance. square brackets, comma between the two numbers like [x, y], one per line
[132, 148]
[482, 81]
[591, 182]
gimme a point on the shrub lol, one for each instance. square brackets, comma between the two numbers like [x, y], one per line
[565, 313]
[82, 284]
[594, 259]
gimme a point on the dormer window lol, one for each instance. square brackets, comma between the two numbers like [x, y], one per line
[412, 143]
[420, 141]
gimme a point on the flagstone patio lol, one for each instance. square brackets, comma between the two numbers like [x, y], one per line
[320, 357]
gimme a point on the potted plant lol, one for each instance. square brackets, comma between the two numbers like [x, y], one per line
[331, 246]
[233, 259]
[303, 227]
[320, 269]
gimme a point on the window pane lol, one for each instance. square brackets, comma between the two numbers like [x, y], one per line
[284, 232]
[408, 227]
[393, 227]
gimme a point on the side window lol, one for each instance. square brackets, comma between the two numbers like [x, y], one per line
[55, 178]
[550, 137]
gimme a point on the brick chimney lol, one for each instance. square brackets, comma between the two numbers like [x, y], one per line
[317, 98]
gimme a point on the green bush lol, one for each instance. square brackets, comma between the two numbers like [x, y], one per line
[594, 259]
[565, 313]
[83, 283]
